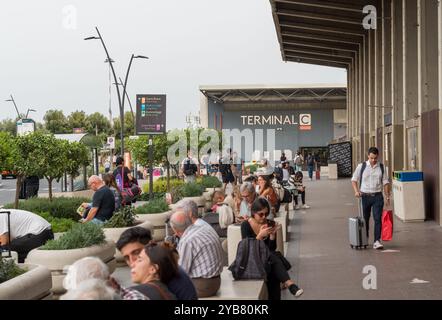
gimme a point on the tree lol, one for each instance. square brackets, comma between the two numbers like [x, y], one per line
[6, 151]
[26, 158]
[77, 119]
[98, 123]
[77, 155]
[129, 125]
[8, 125]
[56, 122]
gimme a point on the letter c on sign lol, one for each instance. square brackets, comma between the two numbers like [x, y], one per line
[305, 119]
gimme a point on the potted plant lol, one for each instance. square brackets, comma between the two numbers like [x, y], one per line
[194, 192]
[83, 240]
[156, 212]
[122, 220]
[24, 281]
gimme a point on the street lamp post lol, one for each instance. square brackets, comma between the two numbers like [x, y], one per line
[27, 112]
[118, 90]
[13, 101]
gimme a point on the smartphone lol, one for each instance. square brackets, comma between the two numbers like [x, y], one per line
[270, 223]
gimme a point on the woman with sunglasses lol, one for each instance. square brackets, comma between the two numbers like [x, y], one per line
[259, 227]
[153, 269]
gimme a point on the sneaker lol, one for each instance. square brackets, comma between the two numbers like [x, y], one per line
[297, 207]
[305, 206]
[378, 246]
[295, 290]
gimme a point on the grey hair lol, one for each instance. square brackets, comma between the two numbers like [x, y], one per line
[85, 269]
[247, 186]
[180, 221]
[189, 207]
[92, 289]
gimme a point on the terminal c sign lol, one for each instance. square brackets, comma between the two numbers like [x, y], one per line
[305, 121]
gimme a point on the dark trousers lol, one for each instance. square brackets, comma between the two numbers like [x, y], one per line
[302, 197]
[277, 275]
[310, 172]
[30, 241]
[375, 203]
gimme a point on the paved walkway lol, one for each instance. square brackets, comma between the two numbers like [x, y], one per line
[326, 267]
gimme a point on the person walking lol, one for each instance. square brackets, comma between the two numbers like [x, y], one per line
[299, 161]
[369, 179]
[310, 165]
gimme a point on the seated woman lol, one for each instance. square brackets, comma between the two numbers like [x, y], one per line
[296, 181]
[259, 227]
[266, 191]
[154, 268]
[109, 181]
[221, 216]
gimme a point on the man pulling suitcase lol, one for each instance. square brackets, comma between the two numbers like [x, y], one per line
[369, 179]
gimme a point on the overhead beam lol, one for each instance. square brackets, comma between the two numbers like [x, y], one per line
[324, 37]
[329, 29]
[325, 57]
[324, 52]
[320, 17]
[321, 45]
[301, 59]
[335, 5]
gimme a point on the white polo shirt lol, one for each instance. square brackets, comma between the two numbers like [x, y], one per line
[22, 223]
[371, 179]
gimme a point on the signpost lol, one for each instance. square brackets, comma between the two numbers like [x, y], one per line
[25, 126]
[151, 120]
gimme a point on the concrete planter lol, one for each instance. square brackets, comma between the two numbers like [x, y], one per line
[158, 223]
[57, 260]
[200, 201]
[113, 234]
[35, 284]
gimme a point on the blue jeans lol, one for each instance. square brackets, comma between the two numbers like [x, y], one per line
[96, 221]
[375, 203]
[310, 172]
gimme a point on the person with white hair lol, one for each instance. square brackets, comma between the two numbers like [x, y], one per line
[103, 202]
[91, 289]
[93, 268]
[248, 195]
[191, 209]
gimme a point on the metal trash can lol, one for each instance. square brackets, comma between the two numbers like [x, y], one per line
[408, 195]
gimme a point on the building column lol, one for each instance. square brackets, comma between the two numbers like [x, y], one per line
[430, 103]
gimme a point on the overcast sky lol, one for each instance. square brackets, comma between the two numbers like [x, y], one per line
[46, 64]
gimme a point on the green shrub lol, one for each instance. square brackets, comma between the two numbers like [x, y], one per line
[58, 224]
[253, 168]
[191, 190]
[154, 206]
[124, 217]
[209, 182]
[58, 207]
[80, 236]
[161, 185]
[9, 270]
[156, 195]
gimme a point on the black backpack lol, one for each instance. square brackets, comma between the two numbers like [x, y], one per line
[252, 260]
[189, 168]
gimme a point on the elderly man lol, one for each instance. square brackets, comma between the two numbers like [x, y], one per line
[191, 209]
[93, 268]
[200, 253]
[248, 195]
[103, 202]
[92, 289]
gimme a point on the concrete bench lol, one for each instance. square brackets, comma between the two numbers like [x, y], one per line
[232, 289]
[282, 219]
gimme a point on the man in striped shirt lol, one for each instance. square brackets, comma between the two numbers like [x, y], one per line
[200, 254]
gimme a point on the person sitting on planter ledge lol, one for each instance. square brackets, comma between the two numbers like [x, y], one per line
[103, 202]
[200, 253]
[132, 241]
[28, 231]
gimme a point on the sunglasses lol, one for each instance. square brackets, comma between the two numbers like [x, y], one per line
[261, 213]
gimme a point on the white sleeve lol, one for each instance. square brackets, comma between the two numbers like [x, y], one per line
[3, 223]
[357, 173]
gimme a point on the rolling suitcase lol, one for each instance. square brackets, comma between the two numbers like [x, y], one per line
[358, 231]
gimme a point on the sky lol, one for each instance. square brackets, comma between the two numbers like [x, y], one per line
[45, 63]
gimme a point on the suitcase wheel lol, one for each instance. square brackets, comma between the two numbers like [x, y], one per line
[351, 246]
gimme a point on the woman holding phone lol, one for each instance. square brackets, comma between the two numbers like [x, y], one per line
[259, 227]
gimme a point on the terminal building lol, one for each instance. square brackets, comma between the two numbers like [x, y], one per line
[302, 117]
[392, 51]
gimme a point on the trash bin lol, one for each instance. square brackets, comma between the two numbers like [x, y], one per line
[408, 195]
[332, 170]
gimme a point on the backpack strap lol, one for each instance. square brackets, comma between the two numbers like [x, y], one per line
[364, 166]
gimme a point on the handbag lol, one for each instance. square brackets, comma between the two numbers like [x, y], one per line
[387, 225]
[283, 259]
